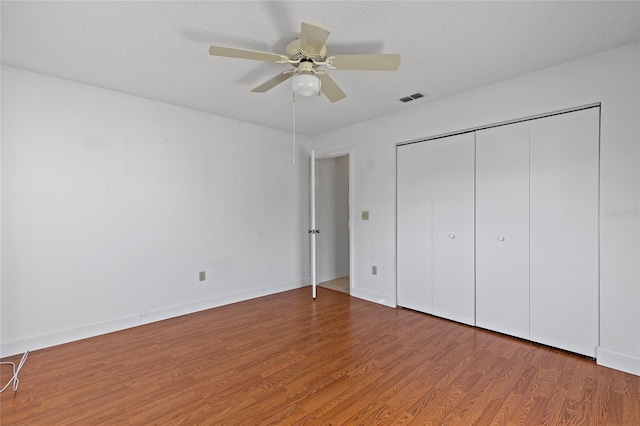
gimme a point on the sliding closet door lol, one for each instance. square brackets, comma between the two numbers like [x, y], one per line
[502, 229]
[564, 231]
[414, 227]
[453, 230]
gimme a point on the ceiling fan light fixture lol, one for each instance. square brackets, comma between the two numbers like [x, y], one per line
[305, 84]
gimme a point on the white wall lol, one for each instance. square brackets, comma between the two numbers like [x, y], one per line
[111, 204]
[333, 217]
[612, 78]
[1, 68]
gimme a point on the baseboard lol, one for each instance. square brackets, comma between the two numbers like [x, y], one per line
[189, 308]
[374, 297]
[616, 360]
[65, 336]
[69, 335]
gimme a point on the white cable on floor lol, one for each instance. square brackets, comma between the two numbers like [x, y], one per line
[14, 379]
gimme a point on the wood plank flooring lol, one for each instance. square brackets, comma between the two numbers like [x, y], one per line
[286, 360]
[338, 284]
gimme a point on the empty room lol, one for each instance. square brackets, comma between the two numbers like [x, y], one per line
[320, 212]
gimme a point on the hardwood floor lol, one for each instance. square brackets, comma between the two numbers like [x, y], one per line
[284, 359]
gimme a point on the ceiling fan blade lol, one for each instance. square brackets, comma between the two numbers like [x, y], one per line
[246, 54]
[386, 62]
[330, 88]
[270, 84]
[312, 38]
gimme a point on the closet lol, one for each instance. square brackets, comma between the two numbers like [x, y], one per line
[502, 229]
[435, 233]
[564, 261]
[413, 227]
[499, 228]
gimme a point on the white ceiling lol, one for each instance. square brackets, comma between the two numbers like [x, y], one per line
[159, 50]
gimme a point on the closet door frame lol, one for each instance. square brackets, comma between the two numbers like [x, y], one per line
[527, 119]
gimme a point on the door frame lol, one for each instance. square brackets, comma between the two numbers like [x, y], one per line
[324, 155]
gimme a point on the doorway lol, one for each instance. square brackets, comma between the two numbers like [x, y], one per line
[332, 215]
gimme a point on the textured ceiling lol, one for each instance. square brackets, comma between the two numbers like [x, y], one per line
[159, 50]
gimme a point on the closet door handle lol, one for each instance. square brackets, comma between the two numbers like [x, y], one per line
[500, 238]
[451, 236]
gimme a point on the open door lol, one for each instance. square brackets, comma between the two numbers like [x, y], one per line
[329, 197]
[332, 217]
[313, 231]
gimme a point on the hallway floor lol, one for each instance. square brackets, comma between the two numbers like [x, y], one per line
[338, 284]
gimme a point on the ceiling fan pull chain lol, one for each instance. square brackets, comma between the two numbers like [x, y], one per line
[294, 127]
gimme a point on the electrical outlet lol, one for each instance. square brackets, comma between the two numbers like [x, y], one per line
[374, 270]
[202, 276]
[365, 215]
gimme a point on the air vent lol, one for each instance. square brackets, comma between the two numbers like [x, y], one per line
[412, 97]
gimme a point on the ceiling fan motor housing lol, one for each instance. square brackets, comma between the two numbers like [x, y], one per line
[294, 52]
[306, 67]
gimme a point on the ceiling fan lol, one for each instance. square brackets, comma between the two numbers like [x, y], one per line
[306, 54]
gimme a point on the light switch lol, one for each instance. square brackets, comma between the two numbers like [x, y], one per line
[365, 215]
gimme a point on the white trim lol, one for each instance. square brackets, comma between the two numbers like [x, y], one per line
[83, 332]
[616, 360]
[502, 123]
[374, 297]
[189, 308]
[332, 154]
[313, 229]
[68, 335]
